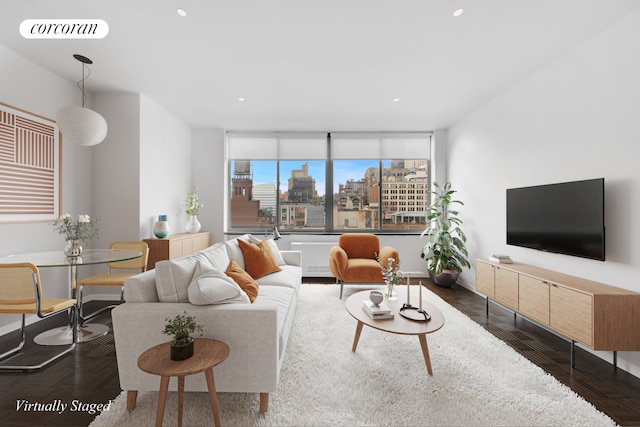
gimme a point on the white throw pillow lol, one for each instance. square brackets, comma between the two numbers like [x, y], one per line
[174, 276]
[233, 250]
[215, 287]
[274, 249]
[217, 254]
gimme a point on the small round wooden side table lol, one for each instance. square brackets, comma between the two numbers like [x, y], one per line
[207, 354]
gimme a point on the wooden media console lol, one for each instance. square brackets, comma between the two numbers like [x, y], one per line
[599, 316]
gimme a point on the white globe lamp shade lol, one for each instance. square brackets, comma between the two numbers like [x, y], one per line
[81, 125]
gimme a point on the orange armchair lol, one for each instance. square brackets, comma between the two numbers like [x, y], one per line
[354, 259]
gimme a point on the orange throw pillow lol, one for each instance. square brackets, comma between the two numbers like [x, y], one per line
[243, 279]
[258, 258]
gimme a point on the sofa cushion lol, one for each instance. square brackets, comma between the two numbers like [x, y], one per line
[243, 279]
[173, 277]
[274, 249]
[258, 259]
[289, 277]
[215, 287]
[284, 298]
[218, 256]
[233, 249]
[362, 270]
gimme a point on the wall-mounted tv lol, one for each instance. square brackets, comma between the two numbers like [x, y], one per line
[565, 218]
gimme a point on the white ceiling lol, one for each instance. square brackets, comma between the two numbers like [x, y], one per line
[313, 64]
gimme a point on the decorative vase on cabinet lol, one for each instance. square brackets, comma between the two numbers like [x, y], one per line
[161, 227]
[193, 225]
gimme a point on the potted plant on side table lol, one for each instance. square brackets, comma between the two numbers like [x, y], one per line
[445, 251]
[181, 327]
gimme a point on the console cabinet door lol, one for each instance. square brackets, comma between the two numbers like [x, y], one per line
[485, 278]
[533, 298]
[506, 287]
[571, 313]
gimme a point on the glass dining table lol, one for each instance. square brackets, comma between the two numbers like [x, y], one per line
[64, 335]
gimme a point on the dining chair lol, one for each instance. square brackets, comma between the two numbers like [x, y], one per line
[21, 293]
[114, 278]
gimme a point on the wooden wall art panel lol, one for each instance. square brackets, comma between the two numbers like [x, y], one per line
[30, 166]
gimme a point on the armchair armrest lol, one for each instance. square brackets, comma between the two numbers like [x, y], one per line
[388, 252]
[338, 261]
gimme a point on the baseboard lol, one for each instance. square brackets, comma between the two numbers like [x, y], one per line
[31, 319]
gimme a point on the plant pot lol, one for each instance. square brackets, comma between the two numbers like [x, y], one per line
[182, 351]
[446, 279]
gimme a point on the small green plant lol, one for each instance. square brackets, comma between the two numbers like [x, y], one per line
[180, 327]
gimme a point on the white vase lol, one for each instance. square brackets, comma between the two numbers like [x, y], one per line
[193, 225]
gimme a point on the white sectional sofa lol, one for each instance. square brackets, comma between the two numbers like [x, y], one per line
[255, 332]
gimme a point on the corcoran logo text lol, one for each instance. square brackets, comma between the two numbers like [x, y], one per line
[64, 29]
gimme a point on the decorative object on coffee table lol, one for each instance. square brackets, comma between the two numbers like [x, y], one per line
[391, 273]
[410, 312]
[208, 353]
[445, 251]
[376, 297]
[180, 327]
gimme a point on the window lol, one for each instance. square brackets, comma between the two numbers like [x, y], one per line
[376, 182]
[277, 179]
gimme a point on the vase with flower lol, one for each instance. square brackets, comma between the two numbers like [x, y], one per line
[75, 232]
[391, 273]
[192, 208]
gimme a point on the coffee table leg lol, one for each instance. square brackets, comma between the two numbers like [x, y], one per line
[211, 386]
[357, 337]
[162, 399]
[425, 352]
[180, 399]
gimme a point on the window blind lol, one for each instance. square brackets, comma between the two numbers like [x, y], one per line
[380, 146]
[276, 146]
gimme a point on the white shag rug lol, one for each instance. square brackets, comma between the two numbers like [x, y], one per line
[477, 380]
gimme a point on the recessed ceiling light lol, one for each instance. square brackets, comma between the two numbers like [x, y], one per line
[458, 12]
[396, 99]
[181, 12]
[241, 99]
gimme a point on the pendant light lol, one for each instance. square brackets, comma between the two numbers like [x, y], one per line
[79, 124]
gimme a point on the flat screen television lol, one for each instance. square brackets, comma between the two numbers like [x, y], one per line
[565, 218]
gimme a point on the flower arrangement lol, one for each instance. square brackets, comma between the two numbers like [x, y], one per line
[84, 228]
[180, 327]
[192, 203]
[391, 273]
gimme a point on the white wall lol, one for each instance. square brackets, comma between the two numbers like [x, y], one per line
[574, 119]
[32, 88]
[117, 168]
[208, 171]
[165, 168]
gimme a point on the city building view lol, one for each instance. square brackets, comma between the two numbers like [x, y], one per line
[369, 195]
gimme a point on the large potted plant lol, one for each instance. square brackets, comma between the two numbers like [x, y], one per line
[445, 251]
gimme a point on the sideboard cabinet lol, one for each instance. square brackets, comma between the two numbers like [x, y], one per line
[599, 316]
[175, 246]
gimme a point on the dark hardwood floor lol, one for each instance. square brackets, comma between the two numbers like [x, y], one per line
[89, 374]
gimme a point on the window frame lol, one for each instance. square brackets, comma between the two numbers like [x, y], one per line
[329, 159]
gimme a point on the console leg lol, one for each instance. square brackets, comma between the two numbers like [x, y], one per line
[573, 354]
[615, 359]
[487, 305]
